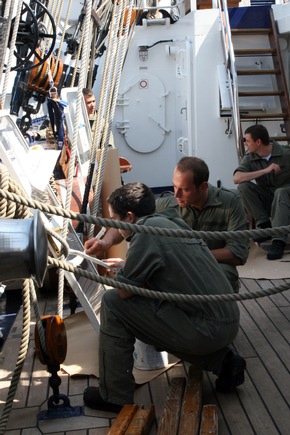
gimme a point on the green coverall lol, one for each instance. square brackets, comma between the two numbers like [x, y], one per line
[197, 332]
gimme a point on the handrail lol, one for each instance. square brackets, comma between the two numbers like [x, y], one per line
[230, 65]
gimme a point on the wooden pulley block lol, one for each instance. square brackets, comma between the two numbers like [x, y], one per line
[40, 77]
[35, 70]
[56, 340]
[132, 18]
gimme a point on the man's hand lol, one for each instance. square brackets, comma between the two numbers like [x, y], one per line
[124, 294]
[242, 177]
[273, 168]
[96, 247]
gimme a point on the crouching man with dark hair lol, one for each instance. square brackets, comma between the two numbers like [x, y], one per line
[198, 332]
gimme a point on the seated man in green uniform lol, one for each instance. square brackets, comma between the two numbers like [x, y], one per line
[198, 332]
[204, 208]
[268, 198]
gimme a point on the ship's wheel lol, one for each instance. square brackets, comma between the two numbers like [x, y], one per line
[33, 37]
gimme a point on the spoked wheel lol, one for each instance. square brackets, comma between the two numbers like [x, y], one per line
[32, 35]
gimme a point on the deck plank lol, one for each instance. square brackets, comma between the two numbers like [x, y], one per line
[260, 405]
[159, 388]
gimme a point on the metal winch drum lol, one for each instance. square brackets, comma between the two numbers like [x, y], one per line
[23, 249]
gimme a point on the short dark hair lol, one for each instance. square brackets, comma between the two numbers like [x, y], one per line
[135, 197]
[198, 167]
[87, 92]
[258, 131]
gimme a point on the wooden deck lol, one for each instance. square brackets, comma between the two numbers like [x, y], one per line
[260, 406]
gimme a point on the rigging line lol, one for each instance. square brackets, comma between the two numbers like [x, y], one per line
[96, 137]
[102, 5]
[123, 49]
[104, 84]
[92, 59]
[122, 43]
[63, 242]
[99, 123]
[9, 8]
[87, 23]
[116, 74]
[79, 51]
[62, 37]
[57, 18]
[173, 297]
[109, 223]
[131, 30]
[39, 325]
[11, 52]
[113, 40]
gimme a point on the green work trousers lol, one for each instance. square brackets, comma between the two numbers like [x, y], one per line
[264, 205]
[189, 336]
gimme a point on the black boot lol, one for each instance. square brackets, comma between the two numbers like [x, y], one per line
[277, 250]
[232, 374]
[93, 399]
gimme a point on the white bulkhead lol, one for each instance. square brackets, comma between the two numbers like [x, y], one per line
[169, 102]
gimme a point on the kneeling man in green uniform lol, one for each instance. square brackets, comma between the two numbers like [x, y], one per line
[198, 332]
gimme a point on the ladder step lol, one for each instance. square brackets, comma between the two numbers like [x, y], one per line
[260, 93]
[258, 72]
[257, 31]
[254, 51]
[264, 115]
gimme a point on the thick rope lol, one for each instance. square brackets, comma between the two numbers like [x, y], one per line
[173, 297]
[9, 209]
[109, 223]
[8, 197]
[82, 82]
[107, 74]
[7, 15]
[65, 25]
[11, 52]
[119, 56]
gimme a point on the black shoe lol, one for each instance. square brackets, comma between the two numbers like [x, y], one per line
[232, 373]
[93, 399]
[263, 226]
[277, 250]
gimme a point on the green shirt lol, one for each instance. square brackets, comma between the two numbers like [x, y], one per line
[223, 211]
